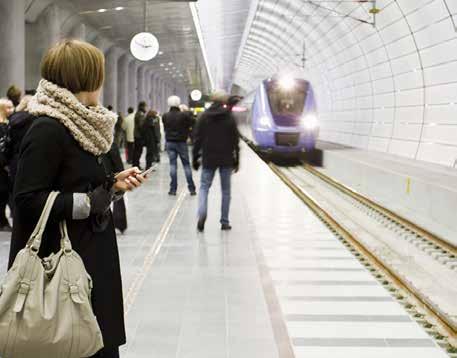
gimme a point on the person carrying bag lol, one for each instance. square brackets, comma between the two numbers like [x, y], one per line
[63, 151]
[45, 305]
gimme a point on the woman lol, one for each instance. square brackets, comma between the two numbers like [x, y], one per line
[151, 132]
[119, 133]
[63, 151]
[6, 109]
[19, 124]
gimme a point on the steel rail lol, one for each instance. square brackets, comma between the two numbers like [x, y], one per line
[445, 324]
[400, 220]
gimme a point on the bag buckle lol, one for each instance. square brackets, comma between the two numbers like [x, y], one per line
[74, 294]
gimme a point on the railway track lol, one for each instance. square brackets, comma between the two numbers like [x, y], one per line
[438, 248]
[440, 325]
[438, 322]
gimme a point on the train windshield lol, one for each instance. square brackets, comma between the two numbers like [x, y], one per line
[287, 102]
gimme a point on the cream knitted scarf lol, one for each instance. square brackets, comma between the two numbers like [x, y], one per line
[92, 127]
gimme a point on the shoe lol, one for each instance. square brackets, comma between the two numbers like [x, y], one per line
[172, 193]
[226, 227]
[193, 193]
[201, 225]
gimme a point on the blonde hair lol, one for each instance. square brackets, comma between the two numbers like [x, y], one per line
[75, 65]
[4, 112]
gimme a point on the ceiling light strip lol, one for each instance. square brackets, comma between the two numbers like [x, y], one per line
[196, 18]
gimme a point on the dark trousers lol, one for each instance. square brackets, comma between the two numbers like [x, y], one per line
[152, 153]
[4, 197]
[130, 152]
[175, 150]
[107, 353]
[139, 144]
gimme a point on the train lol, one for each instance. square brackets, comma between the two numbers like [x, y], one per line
[281, 117]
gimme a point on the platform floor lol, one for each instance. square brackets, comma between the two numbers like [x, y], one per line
[279, 285]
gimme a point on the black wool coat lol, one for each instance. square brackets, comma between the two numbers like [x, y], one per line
[51, 160]
[4, 179]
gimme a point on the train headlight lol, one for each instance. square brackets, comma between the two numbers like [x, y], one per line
[265, 122]
[287, 82]
[310, 122]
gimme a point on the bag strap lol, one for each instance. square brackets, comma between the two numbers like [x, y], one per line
[65, 242]
[34, 242]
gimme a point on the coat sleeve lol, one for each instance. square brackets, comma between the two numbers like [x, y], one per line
[157, 129]
[199, 133]
[236, 140]
[41, 156]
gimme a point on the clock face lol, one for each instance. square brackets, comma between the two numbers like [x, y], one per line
[144, 46]
[196, 95]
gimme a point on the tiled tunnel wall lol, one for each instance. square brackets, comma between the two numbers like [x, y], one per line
[390, 87]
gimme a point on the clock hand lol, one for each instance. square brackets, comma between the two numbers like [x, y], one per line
[140, 44]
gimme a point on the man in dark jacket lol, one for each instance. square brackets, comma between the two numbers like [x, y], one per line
[217, 141]
[178, 126]
[140, 117]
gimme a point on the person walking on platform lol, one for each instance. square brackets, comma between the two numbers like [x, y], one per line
[6, 109]
[63, 152]
[129, 128]
[14, 94]
[119, 133]
[19, 124]
[216, 140]
[140, 117]
[178, 126]
[152, 138]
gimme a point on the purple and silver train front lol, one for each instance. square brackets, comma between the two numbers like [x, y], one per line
[284, 116]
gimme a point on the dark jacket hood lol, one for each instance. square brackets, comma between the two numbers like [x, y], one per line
[218, 111]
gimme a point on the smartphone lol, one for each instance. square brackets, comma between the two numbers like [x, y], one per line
[148, 171]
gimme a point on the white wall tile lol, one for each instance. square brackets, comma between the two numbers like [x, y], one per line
[436, 153]
[403, 148]
[370, 82]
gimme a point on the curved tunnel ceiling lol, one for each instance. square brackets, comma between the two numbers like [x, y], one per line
[390, 87]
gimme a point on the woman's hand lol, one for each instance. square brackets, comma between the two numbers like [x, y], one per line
[128, 180]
